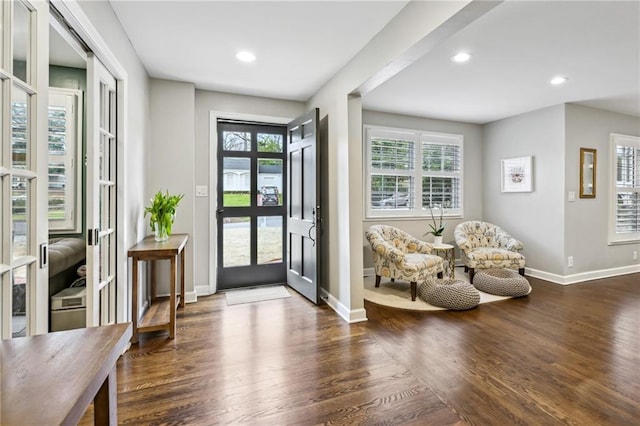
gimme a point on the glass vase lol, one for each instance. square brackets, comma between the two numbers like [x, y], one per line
[160, 232]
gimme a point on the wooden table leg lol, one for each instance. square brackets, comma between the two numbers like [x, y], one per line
[172, 299]
[105, 403]
[182, 295]
[152, 280]
[134, 297]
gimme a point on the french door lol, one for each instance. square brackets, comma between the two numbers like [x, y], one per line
[23, 168]
[251, 204]
[101, 194]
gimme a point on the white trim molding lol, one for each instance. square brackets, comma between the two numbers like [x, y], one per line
[189, 297]
[204, 290]
[565, 279]
[350, 316]
[582, 276]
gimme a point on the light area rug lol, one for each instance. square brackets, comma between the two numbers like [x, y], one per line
[257, 294]
[398, 294]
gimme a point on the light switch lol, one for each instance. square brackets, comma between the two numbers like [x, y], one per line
[572, 195]
[201, 191]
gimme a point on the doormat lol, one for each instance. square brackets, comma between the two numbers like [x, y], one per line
[258, 294]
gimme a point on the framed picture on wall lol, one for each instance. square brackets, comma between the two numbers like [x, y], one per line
[517, 174]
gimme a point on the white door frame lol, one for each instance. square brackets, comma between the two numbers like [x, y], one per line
[78, 20]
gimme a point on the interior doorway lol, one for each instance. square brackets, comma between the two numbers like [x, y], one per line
[251, 204]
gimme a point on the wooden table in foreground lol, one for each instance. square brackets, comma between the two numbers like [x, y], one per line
[161, 311]
[51, 379]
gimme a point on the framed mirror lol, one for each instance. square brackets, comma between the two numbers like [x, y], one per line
[587, 173]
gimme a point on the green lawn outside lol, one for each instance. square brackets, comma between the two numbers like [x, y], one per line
[236, 200]
[240, 200]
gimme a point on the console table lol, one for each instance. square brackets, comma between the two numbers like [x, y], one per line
[51, 379]
[161, 311]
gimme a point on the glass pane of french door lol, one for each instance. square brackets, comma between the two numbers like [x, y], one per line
[250, 205]
[101, 195]
[23, 305]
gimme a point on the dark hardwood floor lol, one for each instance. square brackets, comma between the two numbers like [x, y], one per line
[562, 355]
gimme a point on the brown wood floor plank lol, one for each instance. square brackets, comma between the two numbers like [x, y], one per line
[562, 355]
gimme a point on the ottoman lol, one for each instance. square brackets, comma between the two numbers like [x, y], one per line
[501, 282]
[451, 294]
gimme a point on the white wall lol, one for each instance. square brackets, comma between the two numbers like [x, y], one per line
[552, 227]
[472, 184]
[227, 105]
[170, 153]
[536, 218]
[586, 219]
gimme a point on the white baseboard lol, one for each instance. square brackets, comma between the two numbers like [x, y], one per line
[350, 316]
[565, 279]
[189, 297]
[203, 290]
[582, 276]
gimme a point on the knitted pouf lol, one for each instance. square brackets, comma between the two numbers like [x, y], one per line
[450, 294]
[501, 282]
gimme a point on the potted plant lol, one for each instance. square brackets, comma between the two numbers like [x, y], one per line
[162, 211]
[437, 227]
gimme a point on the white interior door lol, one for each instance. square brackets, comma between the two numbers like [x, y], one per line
[23, 170]
[101, 194]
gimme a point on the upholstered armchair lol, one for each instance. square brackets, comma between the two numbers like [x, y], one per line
[398, 255]
[484, 245]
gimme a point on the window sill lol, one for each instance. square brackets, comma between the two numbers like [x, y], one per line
[401, 218]
[624, 242]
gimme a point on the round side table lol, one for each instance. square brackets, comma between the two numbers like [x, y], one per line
[445, 251]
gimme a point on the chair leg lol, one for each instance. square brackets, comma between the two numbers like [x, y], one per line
[414, 290]
[521, 271]
[466, 268]
[393, 280]
[471, 273]
[377, 280]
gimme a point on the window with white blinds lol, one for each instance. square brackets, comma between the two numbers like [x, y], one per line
[625, 206]
[408, 172]
[65, 149]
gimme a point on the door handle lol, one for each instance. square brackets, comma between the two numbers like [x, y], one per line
[219, 212]
[313, 225]
[309, 234]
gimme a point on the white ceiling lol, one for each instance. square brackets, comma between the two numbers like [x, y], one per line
[517, 47]
[299, 45]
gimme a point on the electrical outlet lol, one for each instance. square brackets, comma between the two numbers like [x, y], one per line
[635, 255]
[570, 261]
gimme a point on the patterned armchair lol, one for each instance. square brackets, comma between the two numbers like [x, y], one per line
[484, 245]
[398, 255]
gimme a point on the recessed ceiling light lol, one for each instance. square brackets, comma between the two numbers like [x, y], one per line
[245, 56]
[558, 80]
[461, 57]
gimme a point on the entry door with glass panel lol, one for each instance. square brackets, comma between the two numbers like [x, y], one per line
[250, 204]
